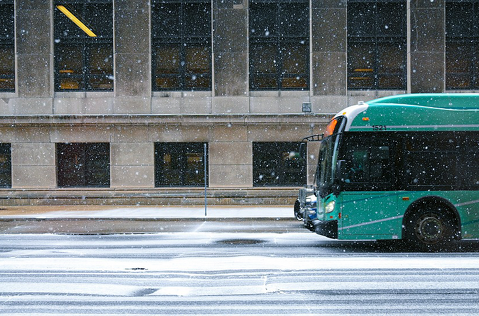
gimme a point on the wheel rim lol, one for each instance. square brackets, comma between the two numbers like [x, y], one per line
[429, 229]
[298, 216]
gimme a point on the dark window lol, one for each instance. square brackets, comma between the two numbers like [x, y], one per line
[462, 45]
[5, 166]
[430, 161]
[84, 50]
[181, 45]
[7, 47]
[368, 163]
[468, 168]
[180, 164]
[412, 161]
[399, 161]
[377, 45]
[279, 164]
[83, 164]
[279, 45]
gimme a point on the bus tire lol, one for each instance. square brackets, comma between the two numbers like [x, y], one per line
[429, 229]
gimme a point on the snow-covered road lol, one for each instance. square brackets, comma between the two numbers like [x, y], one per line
[204, 273]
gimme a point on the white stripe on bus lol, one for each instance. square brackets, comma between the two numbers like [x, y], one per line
[373, 222]
[398, 217]
[467, 203]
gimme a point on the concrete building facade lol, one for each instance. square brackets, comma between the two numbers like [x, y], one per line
[135, 112]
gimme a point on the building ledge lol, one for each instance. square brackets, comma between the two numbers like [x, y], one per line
[156, 196]
[171, 119]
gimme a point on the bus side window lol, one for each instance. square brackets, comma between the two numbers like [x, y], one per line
[379, 158]
[358, 164]
[431, 161]
[368, 165]
[469, 162]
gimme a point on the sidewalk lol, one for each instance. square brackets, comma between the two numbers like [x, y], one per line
[144, 212]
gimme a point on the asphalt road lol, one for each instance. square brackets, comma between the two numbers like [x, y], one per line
[228, 267]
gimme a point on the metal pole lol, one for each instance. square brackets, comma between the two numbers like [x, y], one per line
[206, 180]
[408, 47]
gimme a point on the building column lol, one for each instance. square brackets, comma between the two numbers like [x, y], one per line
[33, 164]
[132, 57]
[427, 46]
[34, 58]
[230, 56]
[329, 58]
[230, 157]
[132, 160]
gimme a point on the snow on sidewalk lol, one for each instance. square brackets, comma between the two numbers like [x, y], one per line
[146, 212]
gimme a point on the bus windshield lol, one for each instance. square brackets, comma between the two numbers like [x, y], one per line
[328, 154]
[327, 165]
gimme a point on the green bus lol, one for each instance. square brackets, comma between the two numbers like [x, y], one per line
[401, 167]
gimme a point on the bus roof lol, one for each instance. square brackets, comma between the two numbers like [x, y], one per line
[408, 112]
[434, 100]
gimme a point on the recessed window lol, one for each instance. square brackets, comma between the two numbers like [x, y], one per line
[462, 45]
[7, 46]
[83, 164]
[279, 164]
[377, 45]
[279, 45]
[83, 45]
[5, 166]
[180, 164]
[181, 45]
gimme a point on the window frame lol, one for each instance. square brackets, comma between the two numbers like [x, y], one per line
[276, 165]
[377, 39]
[87, 156]
[7, 43]
[181, 150]
[188, 37]
[279, 38]
[464, 37]
[6, 165]
[86, 77]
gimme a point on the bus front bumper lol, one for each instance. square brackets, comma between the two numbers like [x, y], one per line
[326, 228]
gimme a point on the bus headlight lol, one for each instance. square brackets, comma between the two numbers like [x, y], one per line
[330, 207]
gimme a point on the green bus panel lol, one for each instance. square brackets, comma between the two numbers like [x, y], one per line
[379, 215]
[369, 215]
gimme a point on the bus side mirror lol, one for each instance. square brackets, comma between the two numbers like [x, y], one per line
[302, 146]
[342, 173]
[341, 176]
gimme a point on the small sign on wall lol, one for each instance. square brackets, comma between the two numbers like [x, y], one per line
[306, 106]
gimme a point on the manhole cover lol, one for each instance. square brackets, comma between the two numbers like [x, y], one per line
[241, 241]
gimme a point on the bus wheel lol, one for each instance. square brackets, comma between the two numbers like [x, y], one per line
[297, 211]
[429, 229]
